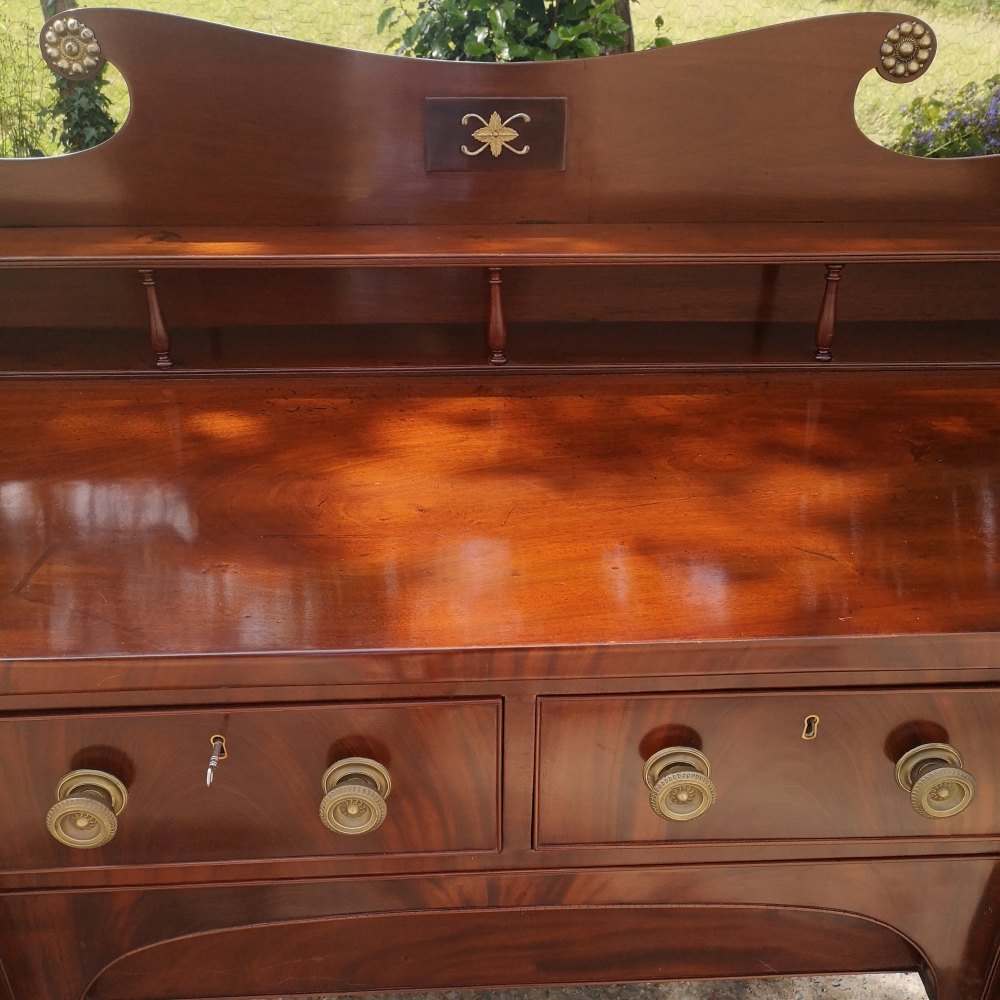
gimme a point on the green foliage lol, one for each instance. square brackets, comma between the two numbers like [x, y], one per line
[22, 87]
[963, 122]
[42, 114]
[506, 30]
[660, 41]
[83, 110]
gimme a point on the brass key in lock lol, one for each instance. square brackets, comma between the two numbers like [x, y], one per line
[218, 753]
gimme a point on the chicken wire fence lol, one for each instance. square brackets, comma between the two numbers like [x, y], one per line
[968, 34]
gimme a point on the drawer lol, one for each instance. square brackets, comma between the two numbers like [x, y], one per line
[770, 783]
[442, 759]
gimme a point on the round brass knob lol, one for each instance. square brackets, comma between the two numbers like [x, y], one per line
[86, 813]
[932, 774]
[679, 785]
[356, 789]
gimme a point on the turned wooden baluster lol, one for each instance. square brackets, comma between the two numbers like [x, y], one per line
[159, 335]
[497, 337]
[826, 323]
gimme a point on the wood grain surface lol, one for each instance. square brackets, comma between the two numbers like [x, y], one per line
[588, 913]
[497, 245]
[773, 138]
[502, 947]
[201, 516]
[264, 803]
[771, 783]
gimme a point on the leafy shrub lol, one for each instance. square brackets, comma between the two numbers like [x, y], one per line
[42, 114]
[965, 122]
[508, 30]
[83, 107]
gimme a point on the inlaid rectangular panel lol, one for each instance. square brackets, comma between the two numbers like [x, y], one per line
[495, 133]
[443, 759]
[770, 782]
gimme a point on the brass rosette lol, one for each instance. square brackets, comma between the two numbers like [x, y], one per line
[71, 49]
[907, 50]
[356, 789]
[86, 812]
[680, 787]
[939, 786]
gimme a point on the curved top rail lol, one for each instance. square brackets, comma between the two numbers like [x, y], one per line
[229, 126]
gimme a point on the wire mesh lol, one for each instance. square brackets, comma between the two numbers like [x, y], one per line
[968, 34]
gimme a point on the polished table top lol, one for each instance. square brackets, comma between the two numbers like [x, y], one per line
[180, 515]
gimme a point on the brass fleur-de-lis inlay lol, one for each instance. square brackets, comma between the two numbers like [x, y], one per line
[495, 135]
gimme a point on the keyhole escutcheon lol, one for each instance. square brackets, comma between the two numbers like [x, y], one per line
[811, 727]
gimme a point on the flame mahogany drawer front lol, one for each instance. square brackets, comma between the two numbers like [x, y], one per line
[264, 802]
[767, 780]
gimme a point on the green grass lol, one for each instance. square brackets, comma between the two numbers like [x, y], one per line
[24, 84]
[968, 33]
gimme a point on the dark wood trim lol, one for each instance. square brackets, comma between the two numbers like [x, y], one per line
[825, 243]
[159, 335]
[515, 368]
[888, 892]
[513, 947]
[812, 661]
[826, 323]
[497, 338]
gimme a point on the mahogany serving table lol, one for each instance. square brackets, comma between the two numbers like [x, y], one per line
[340, 683]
